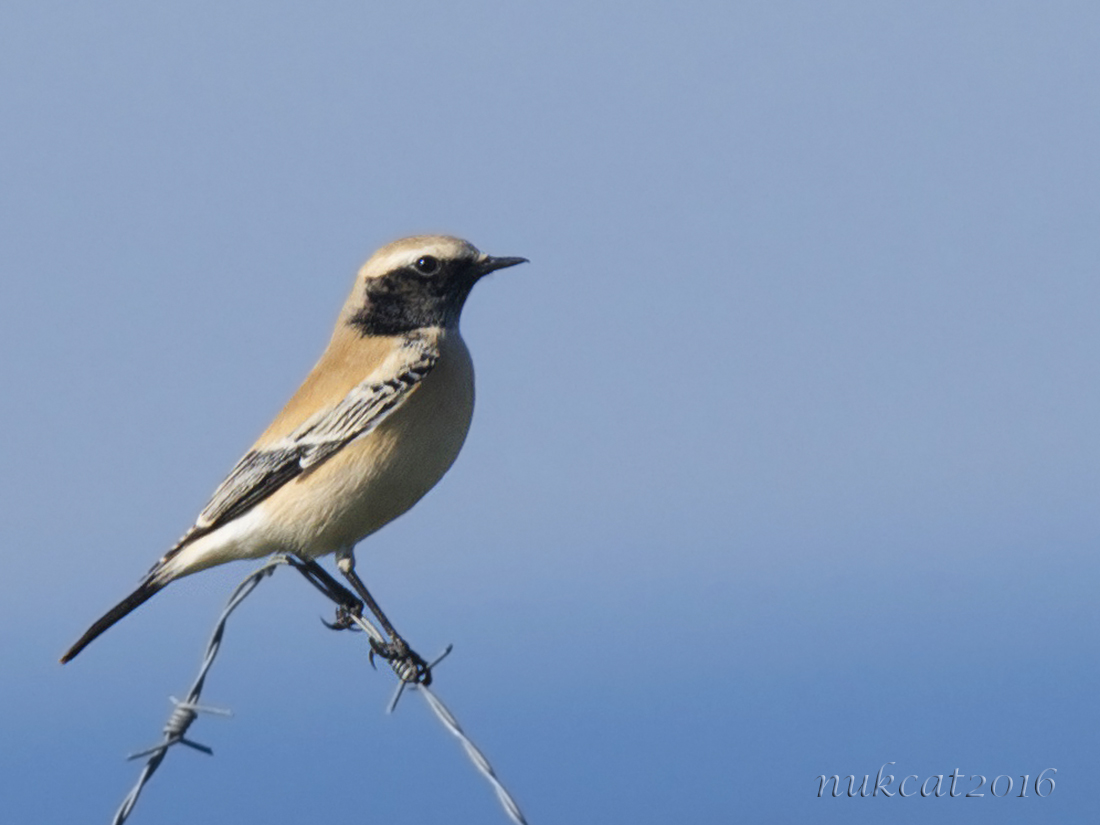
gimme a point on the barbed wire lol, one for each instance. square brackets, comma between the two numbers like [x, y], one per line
[185, 712]
[476, 756]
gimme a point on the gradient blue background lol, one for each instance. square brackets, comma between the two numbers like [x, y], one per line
[787, 452]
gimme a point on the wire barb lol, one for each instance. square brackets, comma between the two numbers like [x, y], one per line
[401, 685]
[174, 729]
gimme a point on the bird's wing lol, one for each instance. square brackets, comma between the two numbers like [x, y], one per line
[264, 470]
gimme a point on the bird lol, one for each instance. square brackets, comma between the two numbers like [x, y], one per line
[377, 422]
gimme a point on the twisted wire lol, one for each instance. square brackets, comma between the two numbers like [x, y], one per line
[511, 807]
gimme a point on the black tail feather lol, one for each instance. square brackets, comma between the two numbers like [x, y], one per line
[146, 590]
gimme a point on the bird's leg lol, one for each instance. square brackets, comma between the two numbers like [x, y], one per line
[347, 604]
[409, 665]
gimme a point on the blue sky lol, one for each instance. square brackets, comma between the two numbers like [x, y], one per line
[786, 456]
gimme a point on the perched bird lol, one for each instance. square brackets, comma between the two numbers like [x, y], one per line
[375, 425]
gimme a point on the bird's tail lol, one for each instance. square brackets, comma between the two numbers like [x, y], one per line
[145, 591]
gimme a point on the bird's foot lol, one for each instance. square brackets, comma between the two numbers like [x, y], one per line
[406, 662]
[345, 618]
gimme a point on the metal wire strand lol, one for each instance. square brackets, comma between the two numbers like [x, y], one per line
[511, 807]
[186, 711]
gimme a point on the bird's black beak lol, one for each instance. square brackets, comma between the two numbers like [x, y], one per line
[491, 264]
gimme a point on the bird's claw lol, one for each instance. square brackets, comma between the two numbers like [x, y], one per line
[344, 619]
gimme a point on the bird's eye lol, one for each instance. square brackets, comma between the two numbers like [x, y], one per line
[427, 265]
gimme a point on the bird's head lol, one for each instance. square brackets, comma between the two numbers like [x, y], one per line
[417, 282]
